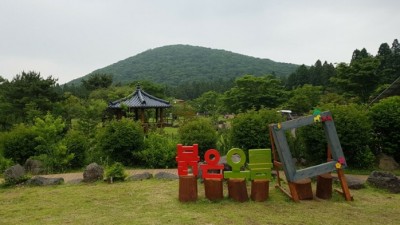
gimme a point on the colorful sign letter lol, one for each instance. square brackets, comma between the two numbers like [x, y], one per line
[212, 164]
[188, 156]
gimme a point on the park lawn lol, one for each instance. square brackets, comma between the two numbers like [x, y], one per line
[156, 202]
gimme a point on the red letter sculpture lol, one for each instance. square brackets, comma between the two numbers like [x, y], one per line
[188, 156]
[212, 164]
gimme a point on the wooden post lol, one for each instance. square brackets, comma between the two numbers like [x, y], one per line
[301, 188]
[343, 183]
[187, 188]
[259, 190]
[324, 186]
[237, 190]
[213, 189]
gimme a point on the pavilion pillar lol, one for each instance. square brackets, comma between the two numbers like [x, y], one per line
[161, 117]
[142, 115]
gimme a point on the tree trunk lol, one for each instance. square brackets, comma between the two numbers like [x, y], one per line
[303, 189]
[187, 188]
[237, 190]
[324, 186]
[259, 190]
[213, 189]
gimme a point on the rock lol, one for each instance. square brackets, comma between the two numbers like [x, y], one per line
[140, 176]
[43, 181]
[14, 174]
[166, 176]
[33, 166]
[385, 180]
[93, 173]
[387, 162]
[355, 183]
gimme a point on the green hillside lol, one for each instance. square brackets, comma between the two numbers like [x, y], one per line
[176, 64]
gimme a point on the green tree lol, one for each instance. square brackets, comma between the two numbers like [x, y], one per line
[385, 116]
[254, 92]
[51, 150]
[77, 143]
[119, 139]
[97, 80]
[199, 131]
[304, 98]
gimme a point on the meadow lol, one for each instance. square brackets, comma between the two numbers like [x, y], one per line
[156, 202]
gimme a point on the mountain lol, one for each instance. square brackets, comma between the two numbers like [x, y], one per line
[177, 64]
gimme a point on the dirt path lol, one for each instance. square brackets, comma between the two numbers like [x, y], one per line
[70, 177]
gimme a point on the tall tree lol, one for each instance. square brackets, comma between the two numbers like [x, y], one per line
[97, 80]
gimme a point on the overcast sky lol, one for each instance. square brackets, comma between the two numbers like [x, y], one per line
[70, 38]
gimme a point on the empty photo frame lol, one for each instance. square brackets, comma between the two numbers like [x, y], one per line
[282, 146]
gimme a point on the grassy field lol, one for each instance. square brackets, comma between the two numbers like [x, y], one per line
[156, 202]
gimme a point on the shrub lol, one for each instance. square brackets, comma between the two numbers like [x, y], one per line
[385, 117]
[251, 129]
[354, 132]
[77, 144]
[199, 131]
[19, 144]
[119, 139]
[159, 151]
[116, 172]
[4, 164]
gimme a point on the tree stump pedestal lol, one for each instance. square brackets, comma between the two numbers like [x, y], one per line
[259, 190]
[301, 189]
[237, 190]
[187, 188]
[213, 189]
[324, 186]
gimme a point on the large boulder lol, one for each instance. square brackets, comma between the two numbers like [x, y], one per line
[354, 182]
[33, 166]
[14, 174]
[385, 180]
[43, 181]
[140, 176]
[387, 163]
[93, 173]
[166, 176]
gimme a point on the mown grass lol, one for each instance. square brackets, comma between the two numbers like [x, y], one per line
[156, 202]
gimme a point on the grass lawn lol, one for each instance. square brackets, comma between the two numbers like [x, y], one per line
[156, 202]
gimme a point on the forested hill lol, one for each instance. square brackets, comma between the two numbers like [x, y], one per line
[177, 64]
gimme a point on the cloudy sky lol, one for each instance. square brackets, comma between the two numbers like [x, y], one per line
[71, 38]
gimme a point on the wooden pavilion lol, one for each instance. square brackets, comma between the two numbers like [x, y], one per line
[136, 104]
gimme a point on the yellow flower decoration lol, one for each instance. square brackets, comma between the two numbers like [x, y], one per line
[338, 165]
[317, 118]
[279, 125]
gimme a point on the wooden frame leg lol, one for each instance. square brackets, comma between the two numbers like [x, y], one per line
[343, 183]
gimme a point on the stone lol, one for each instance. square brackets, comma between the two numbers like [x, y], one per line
[166, 176]
[43, 181]
[385, 180]
[387, 163]
[140, 176]
[93, 173]
[33, 166]
[355, 183]
[14, 174]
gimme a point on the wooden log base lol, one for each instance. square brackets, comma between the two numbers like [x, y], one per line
[213, 189]
[237, 190]
[187, 188]
[324, 186]
[259, 190]
[302, 188]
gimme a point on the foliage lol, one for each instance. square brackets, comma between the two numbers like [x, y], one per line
[159, 151]
[50, 148]
[97, 80]
[304, 98]
[354, 132]
[385, 116]
[115, 172]
[19, 143]
[77, 144]
[177, 64]
[199, 131]
[250, 130]
[4, 164]
[252, 92]
[119, 139]
[316, 75]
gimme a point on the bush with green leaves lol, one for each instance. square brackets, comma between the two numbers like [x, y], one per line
[115, 172]
[199, 131]
[19, 143]
[385, 116]
[4, 164]
[250, 130]
[119, 139]
[159, 151]
[354, 131]
[77, 143]
[50, 148]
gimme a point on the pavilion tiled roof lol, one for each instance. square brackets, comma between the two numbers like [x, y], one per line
[140, 99]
